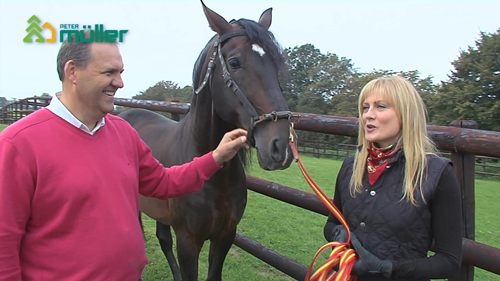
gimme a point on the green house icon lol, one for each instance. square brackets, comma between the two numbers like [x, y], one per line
[34, 29]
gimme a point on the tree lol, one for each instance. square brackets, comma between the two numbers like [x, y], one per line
[300, 61]
[166, 91]
[3, 101]
[316, 80]
[329, 84]
[473, 89]
[334, 76]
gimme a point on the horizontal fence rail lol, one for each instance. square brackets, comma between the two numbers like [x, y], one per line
[172, 107]
[277, 260]
[458, 140]
[461, 142]
[333, 150]
[16, 110]
[474, 253]
[471, 141]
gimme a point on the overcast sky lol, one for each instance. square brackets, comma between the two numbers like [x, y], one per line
[164, 38]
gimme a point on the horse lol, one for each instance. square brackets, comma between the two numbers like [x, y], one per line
[237, 86]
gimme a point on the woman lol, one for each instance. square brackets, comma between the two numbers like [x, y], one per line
[397, 196]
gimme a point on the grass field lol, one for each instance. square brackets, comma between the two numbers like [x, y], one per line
[298, 233]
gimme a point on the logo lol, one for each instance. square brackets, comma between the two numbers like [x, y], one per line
[71, 32]
[34, 29]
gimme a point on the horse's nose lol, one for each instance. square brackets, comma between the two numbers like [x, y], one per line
[278, 149]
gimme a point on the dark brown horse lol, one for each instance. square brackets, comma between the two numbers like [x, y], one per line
[236, 82]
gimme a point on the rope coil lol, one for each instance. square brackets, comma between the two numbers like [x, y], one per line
[339, 265]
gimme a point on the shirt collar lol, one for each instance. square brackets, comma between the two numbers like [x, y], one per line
[59, 109]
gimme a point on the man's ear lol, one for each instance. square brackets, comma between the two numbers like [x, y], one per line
[70, 71]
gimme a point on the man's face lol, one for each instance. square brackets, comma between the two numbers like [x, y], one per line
[97, 83]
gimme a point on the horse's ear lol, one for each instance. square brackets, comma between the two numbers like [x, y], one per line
[266, 18]
[215, 21]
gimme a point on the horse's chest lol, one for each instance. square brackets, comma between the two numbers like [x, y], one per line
[224, 207]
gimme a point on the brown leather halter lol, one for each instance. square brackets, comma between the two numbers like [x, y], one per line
[230, 83]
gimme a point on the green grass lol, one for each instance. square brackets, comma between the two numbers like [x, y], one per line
[292, 231]
[487, 196]
[3, 126]
[298, 233]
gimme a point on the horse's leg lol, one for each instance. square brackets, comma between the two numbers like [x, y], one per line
[218, 250]
[165, 238]
[142, 226]
[188, 252]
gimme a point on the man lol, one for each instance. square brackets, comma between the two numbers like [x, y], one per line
[71, 174]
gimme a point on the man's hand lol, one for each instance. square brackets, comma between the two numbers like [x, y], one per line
[229, 145]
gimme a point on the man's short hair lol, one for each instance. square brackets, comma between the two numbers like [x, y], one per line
[79, 52]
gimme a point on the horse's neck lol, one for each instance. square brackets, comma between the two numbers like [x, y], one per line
[208, 127]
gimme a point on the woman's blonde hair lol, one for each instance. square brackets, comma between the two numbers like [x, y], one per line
[410, 109]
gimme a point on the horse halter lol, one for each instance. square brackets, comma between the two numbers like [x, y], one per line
[230, 83]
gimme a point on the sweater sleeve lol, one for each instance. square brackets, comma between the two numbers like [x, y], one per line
[162, 183]
[16, 192]
[446, 208]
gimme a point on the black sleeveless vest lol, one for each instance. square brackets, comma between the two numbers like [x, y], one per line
[386, 225]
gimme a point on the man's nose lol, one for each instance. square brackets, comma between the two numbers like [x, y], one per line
[118, 82]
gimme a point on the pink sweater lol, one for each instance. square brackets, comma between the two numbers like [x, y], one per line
[69, 201]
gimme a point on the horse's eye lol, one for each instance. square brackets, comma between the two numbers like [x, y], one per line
[234, 63]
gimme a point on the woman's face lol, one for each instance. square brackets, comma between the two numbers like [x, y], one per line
[381, 123]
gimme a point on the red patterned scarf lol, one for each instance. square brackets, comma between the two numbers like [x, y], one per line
[378, 159]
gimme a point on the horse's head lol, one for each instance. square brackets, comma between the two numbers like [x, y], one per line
[245, 88]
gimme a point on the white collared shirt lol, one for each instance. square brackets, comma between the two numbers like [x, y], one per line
[59, 109]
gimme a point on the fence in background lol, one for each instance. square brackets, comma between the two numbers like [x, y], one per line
[484, 165]
[14, 111]
[461, 139]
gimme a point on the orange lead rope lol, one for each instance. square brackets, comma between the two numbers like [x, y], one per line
[342, 255]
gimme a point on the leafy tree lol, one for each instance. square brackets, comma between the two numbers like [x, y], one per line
[426, 88]
[473, 89]
[316, 80]
[3, 101]
[346, 103]
[300, 61]
[329, 84]
[334, 76]
[166, 91]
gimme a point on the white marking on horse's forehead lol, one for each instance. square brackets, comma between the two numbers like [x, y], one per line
[258, 49]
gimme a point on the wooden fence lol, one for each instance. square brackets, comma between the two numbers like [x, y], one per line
[14, 111]
[485, 166]
[461, 139]
[18, 109]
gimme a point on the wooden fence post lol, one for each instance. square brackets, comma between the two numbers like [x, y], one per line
[464, 165]
[175, 116]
